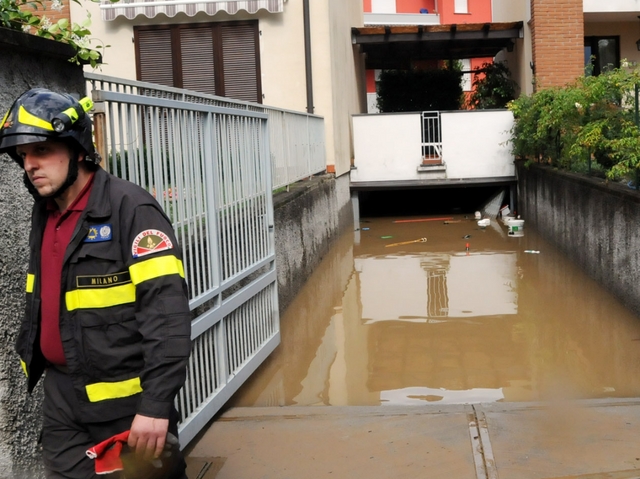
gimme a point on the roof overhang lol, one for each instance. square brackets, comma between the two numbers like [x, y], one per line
[397, 47]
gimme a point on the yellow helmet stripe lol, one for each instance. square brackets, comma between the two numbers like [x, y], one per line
[155, 267]
[119, 389]
[28, 119]
[100, 297]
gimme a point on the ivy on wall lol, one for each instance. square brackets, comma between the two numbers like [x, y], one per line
[23, 15]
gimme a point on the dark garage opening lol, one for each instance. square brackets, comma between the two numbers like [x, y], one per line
[432, 201]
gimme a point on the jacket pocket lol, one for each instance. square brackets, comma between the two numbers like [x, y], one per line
[111, 343]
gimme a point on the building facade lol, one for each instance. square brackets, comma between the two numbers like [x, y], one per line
[246, 50]
[255, 50]
[426, 12]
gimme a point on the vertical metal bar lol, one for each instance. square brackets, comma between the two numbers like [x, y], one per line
[211, 173]
[100, 131]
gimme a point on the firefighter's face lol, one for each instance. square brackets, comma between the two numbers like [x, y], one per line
[46, 164]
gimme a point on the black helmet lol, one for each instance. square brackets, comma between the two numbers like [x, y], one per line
[40, 114]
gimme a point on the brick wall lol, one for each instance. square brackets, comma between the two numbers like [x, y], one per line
[557, 29]
[54, 15]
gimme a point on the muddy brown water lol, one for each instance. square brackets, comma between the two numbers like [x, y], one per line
[434, 323]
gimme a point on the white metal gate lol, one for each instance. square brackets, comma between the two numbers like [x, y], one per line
[209, 168]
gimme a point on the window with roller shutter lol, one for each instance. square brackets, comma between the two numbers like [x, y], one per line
[216, 58]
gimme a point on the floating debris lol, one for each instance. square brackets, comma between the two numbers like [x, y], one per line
[423, 219]
[419, 240]
[366, 229]
[451, 222]
[386, 237]
[466, 237]
[531, 251]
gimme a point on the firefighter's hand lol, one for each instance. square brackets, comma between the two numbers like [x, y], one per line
[147, 436]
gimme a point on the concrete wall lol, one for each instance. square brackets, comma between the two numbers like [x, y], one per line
[594, 223]
[388, 147]
[484, 153]
[27, 62]
[308, 218]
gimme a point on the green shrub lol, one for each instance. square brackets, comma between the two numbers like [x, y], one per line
[591, 122]
[493, 90]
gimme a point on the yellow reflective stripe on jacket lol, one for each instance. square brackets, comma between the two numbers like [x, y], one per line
[155, 267]
[100, 297]
[27, 118]
[24, 367]
[31, 279]
[121, 389]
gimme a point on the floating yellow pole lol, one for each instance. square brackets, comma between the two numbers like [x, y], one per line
[419, 240]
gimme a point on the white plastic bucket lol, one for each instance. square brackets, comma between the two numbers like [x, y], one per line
[516, 227]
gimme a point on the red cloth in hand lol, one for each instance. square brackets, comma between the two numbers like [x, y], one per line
[107, 453]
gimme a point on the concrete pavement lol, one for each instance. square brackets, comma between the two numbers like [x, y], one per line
[588, 439]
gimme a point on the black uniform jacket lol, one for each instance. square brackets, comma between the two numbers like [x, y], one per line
[124, 314]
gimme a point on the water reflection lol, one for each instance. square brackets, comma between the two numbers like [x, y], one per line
[435, 323]
[428, 287]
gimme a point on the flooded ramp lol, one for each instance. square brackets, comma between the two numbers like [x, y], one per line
[470, 315]
[473, 354]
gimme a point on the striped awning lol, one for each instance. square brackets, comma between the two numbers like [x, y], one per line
[150, 8]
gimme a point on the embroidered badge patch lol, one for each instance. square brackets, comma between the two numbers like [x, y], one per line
[98, 233]
[150, 241]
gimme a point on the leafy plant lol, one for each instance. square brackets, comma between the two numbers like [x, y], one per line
[494, 89]
[588, 126]
[22, 15]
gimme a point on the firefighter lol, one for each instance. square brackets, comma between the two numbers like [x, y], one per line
[107, 318]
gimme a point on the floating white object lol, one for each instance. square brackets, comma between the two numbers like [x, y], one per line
[515, 226]
[483, 223]
[478, 215]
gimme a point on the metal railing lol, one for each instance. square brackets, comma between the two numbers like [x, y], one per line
[209, 168]
[296, 139]
[431, 137]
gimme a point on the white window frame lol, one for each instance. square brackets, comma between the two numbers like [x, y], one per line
[467, 85]
[383, 6]
[461, 6]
